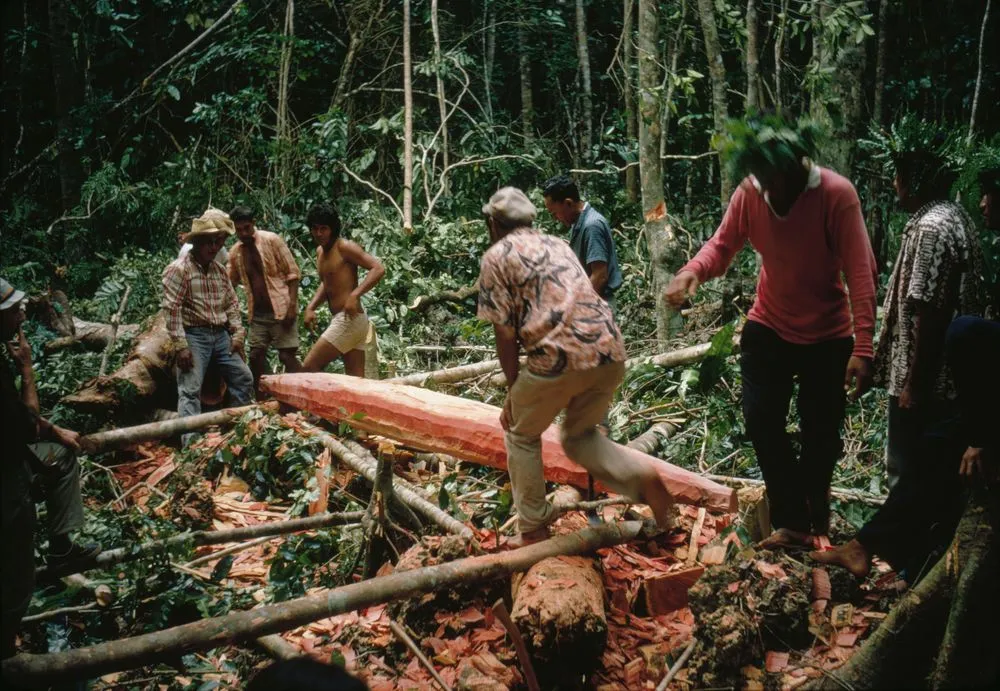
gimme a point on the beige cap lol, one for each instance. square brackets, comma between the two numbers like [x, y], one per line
[510, 207]
[209, 223]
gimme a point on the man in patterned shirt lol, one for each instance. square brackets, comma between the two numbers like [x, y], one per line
[203, 317]
[932, 280]
[262, 262]
[537, 295]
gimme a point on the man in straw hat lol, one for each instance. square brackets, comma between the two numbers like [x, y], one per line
[537, 295]
[203, 316]
[36, 452]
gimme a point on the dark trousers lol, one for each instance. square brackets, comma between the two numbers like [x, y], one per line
[797, 488]
[918, 519]
[973, 351]
[906, 429]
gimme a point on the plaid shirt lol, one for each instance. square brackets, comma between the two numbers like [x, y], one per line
[194, 296]
[279, 269]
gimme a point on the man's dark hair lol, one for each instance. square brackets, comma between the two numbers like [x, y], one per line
[560, 188]
[304, 673]
[324, 214]
[241, 213]
[989, 180]
[925, 174]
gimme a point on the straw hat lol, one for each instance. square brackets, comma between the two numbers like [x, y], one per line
[212, 222]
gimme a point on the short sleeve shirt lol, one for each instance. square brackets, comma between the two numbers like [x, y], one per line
[535, 284]
[590, 238]
[933, 268]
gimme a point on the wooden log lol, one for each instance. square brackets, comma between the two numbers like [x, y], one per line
[466, 429]
[205, 537]
[92, 335]
[128, 653]
[559, 609]
[839, 492]
[669, 592]
[448, 375]
[423, 302]
[126, 436]
[649, 441]
[367, 466]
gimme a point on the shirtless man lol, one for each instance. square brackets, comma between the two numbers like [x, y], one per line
[337, 262]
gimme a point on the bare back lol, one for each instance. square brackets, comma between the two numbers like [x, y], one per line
[339, 275]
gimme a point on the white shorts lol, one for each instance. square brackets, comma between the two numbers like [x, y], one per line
[347, 333]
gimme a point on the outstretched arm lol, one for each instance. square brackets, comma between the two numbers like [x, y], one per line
[354, 253]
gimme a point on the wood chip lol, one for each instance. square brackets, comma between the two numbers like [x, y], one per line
[775, 661]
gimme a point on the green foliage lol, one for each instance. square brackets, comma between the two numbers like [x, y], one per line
[912, 134]
[766, 143]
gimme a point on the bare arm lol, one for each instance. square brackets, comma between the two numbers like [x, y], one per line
[353, 252]
[507, 352]
[598, 275]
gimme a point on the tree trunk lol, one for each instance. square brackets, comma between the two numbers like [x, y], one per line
[128, 653]
[583, 56]
[199, 538]
[407, 123]
[649, 441]
[527, 99]
[442, 106]
[717, 73]
[282, 129]
[631, 122]
[659, 234]
[467, 429]
[779, 55]
[979, 73]
[675, 49]
[880, 57]
[846, 67]
[753, 58]
[64, 89]
[489, 57]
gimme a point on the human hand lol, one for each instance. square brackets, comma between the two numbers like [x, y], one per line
[858, 375]
[20, 351]
[236, 346]
[289, 320]
[682, 286]
[506, 418]
[309, 318]
[66, 437]
[185, 360]
[352, 305]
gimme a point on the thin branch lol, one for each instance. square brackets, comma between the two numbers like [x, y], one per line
[471, 162]
[373, 188]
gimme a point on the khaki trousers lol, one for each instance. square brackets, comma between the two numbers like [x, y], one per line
[585, 396]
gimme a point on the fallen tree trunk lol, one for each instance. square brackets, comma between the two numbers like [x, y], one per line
[448, 375]
[199, 538]
[52, 309]
[128, 653]
[466, 429]
[92, 335]
[839, 492]
[366, 465]
[649, 441]
[559, 609]
[126, 436]
[424, 302]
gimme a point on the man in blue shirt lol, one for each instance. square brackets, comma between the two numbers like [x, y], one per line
[590, 234]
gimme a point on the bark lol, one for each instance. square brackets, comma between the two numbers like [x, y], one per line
[880, 58]
[779, 55]
[358, 459]
[442, 106]
[92, 335]
[559, 609]
[467, 429]
[489, 57]
[127, 436]
[449, 375]
[659, 234]
[527, 99]
[282, 127]
[128, 653]
[147, 367]
[113, 336]
[753, 58]
[54, 311]
[583, 56]
[675, 49]
[649, 441]
[407, 123]
[199, 538]
[64, 92]
[631, 122]
[979, 73]
[717, 75]
[423, 302]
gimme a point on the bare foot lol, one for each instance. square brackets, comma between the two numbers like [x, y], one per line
[852, 556]
[528, 538]
[659, 500]
[785, 538]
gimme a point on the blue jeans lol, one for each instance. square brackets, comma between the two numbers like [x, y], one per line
[210, 344]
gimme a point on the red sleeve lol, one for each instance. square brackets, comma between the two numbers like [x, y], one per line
[714, 258]
[850, 238]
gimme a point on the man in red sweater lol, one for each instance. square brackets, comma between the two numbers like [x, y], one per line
[805, 222]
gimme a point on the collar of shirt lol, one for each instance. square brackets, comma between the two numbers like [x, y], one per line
[578, 223]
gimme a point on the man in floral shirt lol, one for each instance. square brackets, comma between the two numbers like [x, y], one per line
[537, 295]
[933, 279]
